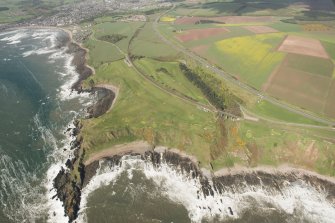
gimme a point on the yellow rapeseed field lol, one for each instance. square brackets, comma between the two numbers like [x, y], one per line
[315, 27]
[167, 19]
[251, 57]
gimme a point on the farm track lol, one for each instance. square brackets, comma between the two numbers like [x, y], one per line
[129, 61]
[234, 81]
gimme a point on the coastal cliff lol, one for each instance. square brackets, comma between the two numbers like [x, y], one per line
[69, 181]
[273, 180]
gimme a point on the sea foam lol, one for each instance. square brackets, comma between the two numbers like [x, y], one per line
[297, 200]
[22, 201]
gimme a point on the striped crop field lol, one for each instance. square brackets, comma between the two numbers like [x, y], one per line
[251, 58]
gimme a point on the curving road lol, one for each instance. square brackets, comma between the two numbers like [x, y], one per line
[234, 81]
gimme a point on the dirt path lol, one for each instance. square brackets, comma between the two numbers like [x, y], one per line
[134, 147]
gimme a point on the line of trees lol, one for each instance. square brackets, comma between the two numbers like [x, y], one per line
[214, 89]
[114, 38]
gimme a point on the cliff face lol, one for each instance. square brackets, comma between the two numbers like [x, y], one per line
[106, 98]
[79, 61]
[69, 182]
[274, 181]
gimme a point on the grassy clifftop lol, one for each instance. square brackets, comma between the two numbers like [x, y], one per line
[158, 103]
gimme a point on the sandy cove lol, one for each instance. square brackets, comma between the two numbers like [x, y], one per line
[112, 88]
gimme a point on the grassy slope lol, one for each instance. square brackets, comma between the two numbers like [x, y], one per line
[173, 78]
[123, 28]
[142, 111]
[268, 110]
[149, 45]
[103, 52]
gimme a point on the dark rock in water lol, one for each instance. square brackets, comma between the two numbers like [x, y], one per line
[69, 189]
[69, 184]
[68, 164]
[79, 61]
[68, 192]
[230, 211]
[105, 101]
[75, 144]
[90, 171]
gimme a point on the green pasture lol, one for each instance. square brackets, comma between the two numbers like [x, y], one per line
[102, 52]
[309, 64]
[123, 28]
[169, 75]
[148, 44]
[268, 110]
[142, 111]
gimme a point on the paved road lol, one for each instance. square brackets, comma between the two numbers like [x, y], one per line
[234, 81]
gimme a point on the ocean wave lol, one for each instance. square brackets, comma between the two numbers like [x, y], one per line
[22, 202]
[16, 38]
[298, 201]
[49, 38]
[27, 194]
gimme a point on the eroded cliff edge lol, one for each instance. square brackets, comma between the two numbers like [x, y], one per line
[69, 181]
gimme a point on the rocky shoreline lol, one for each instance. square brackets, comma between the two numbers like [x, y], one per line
[273, 180]
[69, 182]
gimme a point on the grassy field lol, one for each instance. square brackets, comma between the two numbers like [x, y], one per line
[149, 45]
[142, 111]
[169, 75]
[273, 112]
[122, 28]
[103, 52]
[314, 65]
[258, 143]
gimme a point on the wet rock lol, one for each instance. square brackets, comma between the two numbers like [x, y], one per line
[106, 98]
[68, 164]
[230, 211]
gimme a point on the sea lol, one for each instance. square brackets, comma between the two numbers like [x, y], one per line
[37, 107]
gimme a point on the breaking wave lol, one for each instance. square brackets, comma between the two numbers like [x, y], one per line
[27, 192]
[298, 201]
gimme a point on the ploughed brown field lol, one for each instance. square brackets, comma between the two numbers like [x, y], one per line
[303, 46]
[224, 19]
[197, 34]
[306, 90]
[201, 49]
[260, 29]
